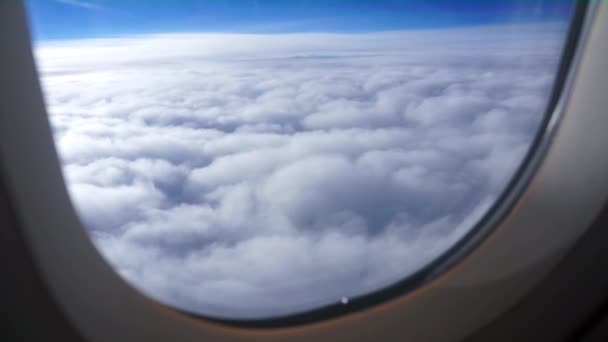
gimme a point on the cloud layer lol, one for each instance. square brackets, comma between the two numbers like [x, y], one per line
[252, 176]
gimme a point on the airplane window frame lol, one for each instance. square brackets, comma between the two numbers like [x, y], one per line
[52, 247]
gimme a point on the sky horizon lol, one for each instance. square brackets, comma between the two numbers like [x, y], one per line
[74, 19]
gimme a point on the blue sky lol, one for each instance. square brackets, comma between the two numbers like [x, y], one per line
[61, 19]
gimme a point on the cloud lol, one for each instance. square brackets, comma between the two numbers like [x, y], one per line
[220, 172]
[81, 4]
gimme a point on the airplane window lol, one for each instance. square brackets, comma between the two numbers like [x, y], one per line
[247, 159]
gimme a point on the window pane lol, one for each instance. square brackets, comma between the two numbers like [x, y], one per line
[252, 159]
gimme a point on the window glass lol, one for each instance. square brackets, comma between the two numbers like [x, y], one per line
[253, 159]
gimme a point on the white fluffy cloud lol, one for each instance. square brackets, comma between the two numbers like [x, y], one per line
[259, 175]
